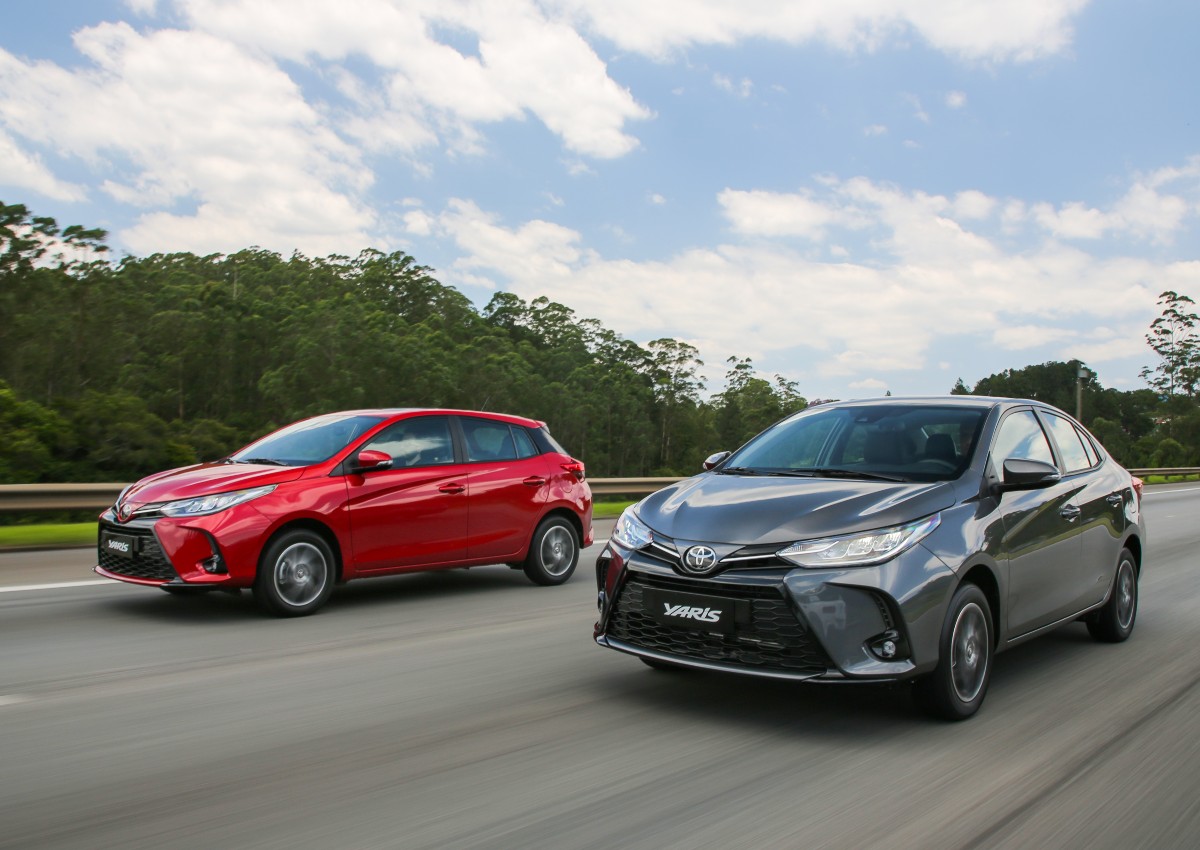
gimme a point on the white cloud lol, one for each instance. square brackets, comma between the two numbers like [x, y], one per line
[742, 89]
[142, 7]
[992, 30]
[221, 142]
[956, 99]
[875, 130]
[527, 61]
[26, 171]
[657, 199]
[869, 384]
[923, 269]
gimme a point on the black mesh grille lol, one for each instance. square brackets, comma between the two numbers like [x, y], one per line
[148, 560]
[773, 639]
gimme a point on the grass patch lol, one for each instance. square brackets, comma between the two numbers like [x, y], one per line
[50, 534]
[609, 510]
[1170, 479]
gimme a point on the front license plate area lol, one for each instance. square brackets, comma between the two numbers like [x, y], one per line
[696, 611]
[121, 545]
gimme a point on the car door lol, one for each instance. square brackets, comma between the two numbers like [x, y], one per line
[415, 513]
[1101, 503]
[1041, 543]
[509, 481]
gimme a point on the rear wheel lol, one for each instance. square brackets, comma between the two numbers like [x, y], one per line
[956, 688]
[1114, 621]
[295, 575]
[553, 553]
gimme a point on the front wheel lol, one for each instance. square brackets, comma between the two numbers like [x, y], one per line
[1113, 623]
[553, 553]
[957, 686]
[295, 575]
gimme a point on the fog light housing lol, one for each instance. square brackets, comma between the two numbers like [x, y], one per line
[214, 565]
[888, 646]
[601, 599]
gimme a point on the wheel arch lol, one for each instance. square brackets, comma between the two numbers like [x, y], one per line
[567, 514]
[1134, 544]
[983, 578]
[318, 528]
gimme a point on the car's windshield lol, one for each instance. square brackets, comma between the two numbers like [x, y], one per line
[307, 442]
[894, 441]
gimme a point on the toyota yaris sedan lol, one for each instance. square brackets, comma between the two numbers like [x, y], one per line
[350, 495]
[885, 540]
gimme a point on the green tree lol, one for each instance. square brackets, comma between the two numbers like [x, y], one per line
[1175, 340]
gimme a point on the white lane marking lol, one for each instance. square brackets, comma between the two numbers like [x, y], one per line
[12, 699]
[1164, 492]
[21, 587]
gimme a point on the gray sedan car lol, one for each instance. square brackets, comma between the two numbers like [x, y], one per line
[884, 540]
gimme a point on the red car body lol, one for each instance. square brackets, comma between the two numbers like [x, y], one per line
[380, 508]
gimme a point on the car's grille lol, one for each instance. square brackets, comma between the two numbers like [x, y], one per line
[148, 560]
[773, 639]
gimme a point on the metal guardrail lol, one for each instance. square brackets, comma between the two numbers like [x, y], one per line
[74, 497]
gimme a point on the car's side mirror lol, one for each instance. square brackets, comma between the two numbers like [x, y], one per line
[369, 460]
[713, 460]
[1025, 474]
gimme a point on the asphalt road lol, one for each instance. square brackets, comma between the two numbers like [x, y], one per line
[471, 709]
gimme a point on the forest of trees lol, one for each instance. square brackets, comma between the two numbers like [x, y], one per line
[111, 370]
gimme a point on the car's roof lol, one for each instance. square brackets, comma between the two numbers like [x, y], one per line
[941, 401]
[398, 411]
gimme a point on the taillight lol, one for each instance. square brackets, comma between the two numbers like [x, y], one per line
[575, 467]
[1138, 484]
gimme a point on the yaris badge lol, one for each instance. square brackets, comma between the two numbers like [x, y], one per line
[699, 560]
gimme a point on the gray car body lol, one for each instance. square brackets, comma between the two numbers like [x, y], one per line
[1038, 569]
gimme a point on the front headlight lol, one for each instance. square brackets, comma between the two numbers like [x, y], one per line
[630, 531]
[202, 505]
[859, 550]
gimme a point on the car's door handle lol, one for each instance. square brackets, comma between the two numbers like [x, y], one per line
[534, 481]
[452, 489]
[1070, 513]
[1115, 499]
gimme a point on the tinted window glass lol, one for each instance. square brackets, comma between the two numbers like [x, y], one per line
[1021, 437]
[488, 440]
[911, 441]
[310, 441]
[525, 446]
[1074, 455]
[1089, 447]
[423, 441]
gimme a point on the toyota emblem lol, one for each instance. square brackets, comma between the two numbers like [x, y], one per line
[699, 560]
[124, 511]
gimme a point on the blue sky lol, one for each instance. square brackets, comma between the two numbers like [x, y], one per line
[861, 195]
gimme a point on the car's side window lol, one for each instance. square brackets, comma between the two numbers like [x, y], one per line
[422, 441]
[1089, 447]
[1021, 437]
[525, 446]
[1074, 455]
[488, 440]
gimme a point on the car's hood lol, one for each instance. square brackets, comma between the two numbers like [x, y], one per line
[745, 510]
[205, 479]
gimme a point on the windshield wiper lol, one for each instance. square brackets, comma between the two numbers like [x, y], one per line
[268, 461]
[738, 470]
[830, 472]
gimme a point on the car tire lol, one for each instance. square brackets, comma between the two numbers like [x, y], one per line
[295, 574]
[1113, 622]
[553, 552]
[956, 688]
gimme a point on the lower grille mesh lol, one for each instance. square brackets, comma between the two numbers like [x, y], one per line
[773, 640]
[148, 560]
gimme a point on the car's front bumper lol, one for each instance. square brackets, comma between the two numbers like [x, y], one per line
[831, 625]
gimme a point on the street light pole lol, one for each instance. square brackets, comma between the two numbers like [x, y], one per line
[1080, 376]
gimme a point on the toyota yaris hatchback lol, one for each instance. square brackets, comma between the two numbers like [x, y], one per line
[880, 541]
[355, 494]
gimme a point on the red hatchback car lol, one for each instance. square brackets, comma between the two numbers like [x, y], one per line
[354, 494]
